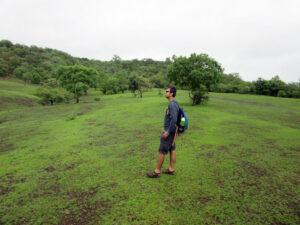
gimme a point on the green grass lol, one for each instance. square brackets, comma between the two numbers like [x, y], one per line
[86, 163]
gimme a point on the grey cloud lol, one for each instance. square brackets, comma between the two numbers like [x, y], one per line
[254, 38]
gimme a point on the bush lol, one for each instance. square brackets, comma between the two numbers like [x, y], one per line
[139, 84]
[3, 70]
[245, 90]
[53, 95]
[36, 78]
[20, 71]
[110, 86]
[281, 93]
[296, 94]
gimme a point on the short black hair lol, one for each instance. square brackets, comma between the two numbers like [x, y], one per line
[172, 90]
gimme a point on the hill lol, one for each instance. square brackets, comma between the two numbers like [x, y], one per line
[37, 64]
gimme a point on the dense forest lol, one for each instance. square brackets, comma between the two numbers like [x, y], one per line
[41, 65]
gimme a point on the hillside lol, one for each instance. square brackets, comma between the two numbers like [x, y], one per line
[85, 163]
[37, 64]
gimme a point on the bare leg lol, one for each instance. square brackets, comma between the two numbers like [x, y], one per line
[172, 160]
[161, 158]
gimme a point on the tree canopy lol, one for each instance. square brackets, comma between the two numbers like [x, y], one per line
[197, 73]
[76, 79]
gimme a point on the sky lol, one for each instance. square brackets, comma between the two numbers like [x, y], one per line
[256, 38]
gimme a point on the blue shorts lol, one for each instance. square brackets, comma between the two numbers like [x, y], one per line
[166, 144]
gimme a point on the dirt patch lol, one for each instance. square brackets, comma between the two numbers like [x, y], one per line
[207, 146]
[295, 149]
[8, 147]
[210, 155]
[5, 190]
[81, 195]
[252, 169]
[50, 169]
[2, 121]
[234, 145]
[99, 143]
[223, 148]
[295, 206]
[21, 203]
[220, 183]
[289, 155]
[25, 101]
[9, 180]
[70, 166]
[269, 142]
[55, 189]
[203, 199]
[85, 208]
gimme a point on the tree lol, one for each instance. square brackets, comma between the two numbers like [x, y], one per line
[36, 78]
[261, 87]
[198, 73]
[122, 81]
[3, 68]
[281, 93]
[159, 80]
[110, 86]
[276, 85]
[6, 43]
[20, 71]
[13, 63]
[27, 77]
[138, 83]
[76, 79]
[50, 83]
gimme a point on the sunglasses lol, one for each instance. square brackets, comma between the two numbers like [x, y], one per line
[167, 91]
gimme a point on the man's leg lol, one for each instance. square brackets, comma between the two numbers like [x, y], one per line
[172, 160]
[160, 162]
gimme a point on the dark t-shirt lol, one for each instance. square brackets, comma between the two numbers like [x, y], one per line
[171, 117]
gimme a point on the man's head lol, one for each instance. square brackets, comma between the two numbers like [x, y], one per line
[170, 92]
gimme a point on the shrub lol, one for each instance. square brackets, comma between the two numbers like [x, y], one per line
[281, 93]
[53, 95]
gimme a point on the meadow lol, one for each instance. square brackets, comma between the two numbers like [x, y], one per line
[86, 163]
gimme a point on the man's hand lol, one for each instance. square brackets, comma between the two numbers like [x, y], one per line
[165, 135]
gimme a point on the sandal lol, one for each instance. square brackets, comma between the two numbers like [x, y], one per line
[167, 171]
[153, 174]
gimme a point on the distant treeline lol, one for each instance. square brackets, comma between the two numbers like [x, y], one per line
[40, 65]
[232, 83]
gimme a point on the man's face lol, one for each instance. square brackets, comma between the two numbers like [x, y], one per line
[168, 93]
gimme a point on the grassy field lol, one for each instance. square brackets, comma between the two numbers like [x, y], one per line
[86, 163]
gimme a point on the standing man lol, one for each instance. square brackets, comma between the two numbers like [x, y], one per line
[167, 141]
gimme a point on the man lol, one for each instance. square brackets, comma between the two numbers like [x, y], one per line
[167, 141]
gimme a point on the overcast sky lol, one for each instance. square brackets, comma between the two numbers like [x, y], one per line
[255, 38]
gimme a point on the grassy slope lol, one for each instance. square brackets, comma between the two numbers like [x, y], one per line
[86, 162]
